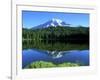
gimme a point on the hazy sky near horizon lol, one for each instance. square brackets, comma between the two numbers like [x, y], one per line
[32, 18]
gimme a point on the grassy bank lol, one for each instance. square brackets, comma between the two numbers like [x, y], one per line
[44, 64]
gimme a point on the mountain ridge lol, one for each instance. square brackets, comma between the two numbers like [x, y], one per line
[53, 22]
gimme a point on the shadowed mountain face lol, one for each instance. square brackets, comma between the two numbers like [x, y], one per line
[53, 22]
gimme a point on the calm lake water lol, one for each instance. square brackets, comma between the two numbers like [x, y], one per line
[75, 56]
[54, 52]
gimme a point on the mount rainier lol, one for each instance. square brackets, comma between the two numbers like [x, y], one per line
[53, 22]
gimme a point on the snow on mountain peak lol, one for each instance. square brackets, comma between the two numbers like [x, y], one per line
[53, 22]
[57, 20]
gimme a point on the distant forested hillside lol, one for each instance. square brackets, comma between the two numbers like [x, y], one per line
[59, 33]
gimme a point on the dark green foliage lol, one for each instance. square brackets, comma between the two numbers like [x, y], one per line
[69, 34]
[56, 38]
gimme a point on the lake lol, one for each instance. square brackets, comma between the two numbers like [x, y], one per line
[55, 52]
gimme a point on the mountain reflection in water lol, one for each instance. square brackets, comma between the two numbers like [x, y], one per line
[55, 52]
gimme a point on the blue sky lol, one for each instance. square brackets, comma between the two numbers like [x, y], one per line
[31, 18]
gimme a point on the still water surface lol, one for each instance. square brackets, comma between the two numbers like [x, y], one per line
[54, 52]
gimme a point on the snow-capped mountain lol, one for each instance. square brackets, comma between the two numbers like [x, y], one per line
[53, 22]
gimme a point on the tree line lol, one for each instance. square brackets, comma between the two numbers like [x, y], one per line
[59, 33]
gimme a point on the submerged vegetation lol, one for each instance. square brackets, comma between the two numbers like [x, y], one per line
[44, 64]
